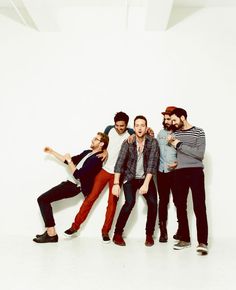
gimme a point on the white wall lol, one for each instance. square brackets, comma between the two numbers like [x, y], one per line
[59, 89]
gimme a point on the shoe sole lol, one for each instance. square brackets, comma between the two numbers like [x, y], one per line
[122, 245]
[106, 242]
[202, 251]
[38, 242]
[181, 248]
[163, 241]
[75, 235]
[149, 245]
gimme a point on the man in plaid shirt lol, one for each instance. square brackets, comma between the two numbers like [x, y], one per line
[136, 165]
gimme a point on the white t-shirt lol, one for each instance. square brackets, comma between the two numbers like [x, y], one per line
[113, 149]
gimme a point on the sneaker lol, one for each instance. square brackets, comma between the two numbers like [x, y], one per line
[69, 233]
[149, 241]
[202, 249]
[46, 239]
[118, 240]
[106, 239]
[182, 245]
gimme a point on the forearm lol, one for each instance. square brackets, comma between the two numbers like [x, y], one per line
[147, 179]
[117, 178]
[71, 166]
[195, 152]
[58, 156]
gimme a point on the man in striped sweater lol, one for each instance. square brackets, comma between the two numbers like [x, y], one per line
[189, 142]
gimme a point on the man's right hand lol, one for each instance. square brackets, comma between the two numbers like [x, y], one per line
[116, 190]
[48, 149]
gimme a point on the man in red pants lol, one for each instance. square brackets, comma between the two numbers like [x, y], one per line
[117, 134]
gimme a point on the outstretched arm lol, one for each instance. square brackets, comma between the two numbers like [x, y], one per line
[50, 151]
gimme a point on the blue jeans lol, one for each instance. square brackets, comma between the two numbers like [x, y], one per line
[130, 188]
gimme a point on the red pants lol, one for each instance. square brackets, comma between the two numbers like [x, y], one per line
[100, 182]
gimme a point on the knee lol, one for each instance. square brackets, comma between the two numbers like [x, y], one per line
[40, 199]
[129, 205]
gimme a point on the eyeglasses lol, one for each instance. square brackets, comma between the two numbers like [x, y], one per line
[96, 139]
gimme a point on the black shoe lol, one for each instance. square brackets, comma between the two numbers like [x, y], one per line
[39, 236]
[106, 239]
[177, 236]
[46, 239]
[70, 232]
[163, 238]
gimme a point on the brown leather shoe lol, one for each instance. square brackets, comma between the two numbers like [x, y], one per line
[46, 239]
[149, 241]
[118, 240]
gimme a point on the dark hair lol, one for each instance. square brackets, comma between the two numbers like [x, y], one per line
[104, 139]
[140, 117]
[179, 112]
[121, 116]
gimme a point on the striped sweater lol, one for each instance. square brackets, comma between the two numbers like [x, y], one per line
[191, 149]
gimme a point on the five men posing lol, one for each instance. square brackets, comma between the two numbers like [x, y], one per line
[175, 157]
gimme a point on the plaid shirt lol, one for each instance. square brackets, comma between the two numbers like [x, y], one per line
[127, 159]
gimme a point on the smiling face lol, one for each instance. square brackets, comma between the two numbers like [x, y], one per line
[167, 122]
[140, 128]
[96, 142]
[177, 122]
[120, 127]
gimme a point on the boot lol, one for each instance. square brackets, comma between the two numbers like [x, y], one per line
[163, 237]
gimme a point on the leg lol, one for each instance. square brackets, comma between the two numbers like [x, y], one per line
[99, 183]
[151, 199]
[111, 208]
[199, 205]
[181, 179]
[163, 183]
[175, 199]
[130, 188]
[64, 190]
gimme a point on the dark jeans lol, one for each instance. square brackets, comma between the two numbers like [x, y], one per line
[192, 178]
[65, 189]
[165, 185]
[130, 188]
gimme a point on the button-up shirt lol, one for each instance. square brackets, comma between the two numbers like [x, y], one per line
[126, 163]
[167, 152]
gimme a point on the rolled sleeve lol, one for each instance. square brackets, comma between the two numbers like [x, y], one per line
[119, 166]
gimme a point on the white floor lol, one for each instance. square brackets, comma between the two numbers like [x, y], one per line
[83, 263]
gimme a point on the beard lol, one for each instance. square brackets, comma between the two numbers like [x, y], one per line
[169, 127]
[180, 125]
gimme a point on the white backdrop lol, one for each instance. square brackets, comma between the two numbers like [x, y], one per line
[59, 89]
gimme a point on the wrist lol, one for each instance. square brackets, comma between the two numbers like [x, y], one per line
[68, 161]
[116, 183]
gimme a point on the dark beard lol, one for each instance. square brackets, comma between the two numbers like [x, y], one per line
[180, 126]
[171, 128]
